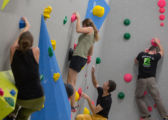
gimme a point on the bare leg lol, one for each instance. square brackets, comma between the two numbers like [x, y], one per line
[72, 76]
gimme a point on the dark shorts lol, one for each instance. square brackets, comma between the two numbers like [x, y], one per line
[77, 63]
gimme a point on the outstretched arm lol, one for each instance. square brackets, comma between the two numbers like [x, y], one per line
[94, 81]
[80, 29]
[94, 109]
[160, 47]
[15, 44]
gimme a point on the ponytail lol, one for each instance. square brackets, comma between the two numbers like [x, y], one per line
[25, 41]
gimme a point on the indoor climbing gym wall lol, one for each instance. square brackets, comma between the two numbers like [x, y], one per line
[129, 29]
[54, 32]
[126, 27]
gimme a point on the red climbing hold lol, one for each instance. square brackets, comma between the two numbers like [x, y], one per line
[145, 92]
[155, 106]
[162, 17]
[162, 10]
[80, 91]
[149, 108]
[161, 3]
[1, 92]
[75, 46]
[128, 77]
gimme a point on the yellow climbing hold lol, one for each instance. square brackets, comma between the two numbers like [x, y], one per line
[98, 11]
[83, 67]
[5, 3]
[86, 111]
[53, 42]
[56, 76]
[47, 12]
[76, 96]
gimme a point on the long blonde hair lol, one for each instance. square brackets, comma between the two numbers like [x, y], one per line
[89, 23]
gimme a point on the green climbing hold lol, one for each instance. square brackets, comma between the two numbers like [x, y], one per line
[50, 51]
[121, 95]
[127, 36]
[65, 20]
[10, 101]
[41, 77]
[98, 60]
[127, 22]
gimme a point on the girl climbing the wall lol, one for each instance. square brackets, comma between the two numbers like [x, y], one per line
[84, 49]
[25, 67]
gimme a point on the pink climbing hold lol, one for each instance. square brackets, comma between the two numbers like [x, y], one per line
[161, 3]
[89, 59]
[161, 24]
[80, 91]
[75, 46]
[162, 17]
[153, 43]
[127, 77]
[162, 10]
[93, 103]
[149, 108]
[1, 92]
[73, 17]
[145, 93]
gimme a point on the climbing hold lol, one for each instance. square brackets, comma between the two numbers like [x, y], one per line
[127, 22]
[13, 92]
[10, 101]
[161, 3]
[145, 93]
[98, 60]
[53, 42]
[86, 111]
[56, 76]
[82, 67]
[22, 24]
[149, 108]
[162, 17]
[161, 24]
[41, 77]
[70, 54]
[65, 20]
[153, 43]
[128, 77]
[5, 3]
[73, 17]
[121, 95]
[89, 59]
[87, 87]
[162, 10]
[76, 96]
[50, 51]
[43, 106]
[93, 103]
[127, 36]
[98, 11]
[154, 105]
[47, 12]
[75, 45]
[1, 92]
[80, 91]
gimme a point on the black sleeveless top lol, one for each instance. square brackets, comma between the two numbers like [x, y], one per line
[26, 73]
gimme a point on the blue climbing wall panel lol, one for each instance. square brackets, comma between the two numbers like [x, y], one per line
[89, 13]
[56, 105]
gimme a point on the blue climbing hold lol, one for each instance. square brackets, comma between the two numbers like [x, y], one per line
[13, 92]
[22, 24]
